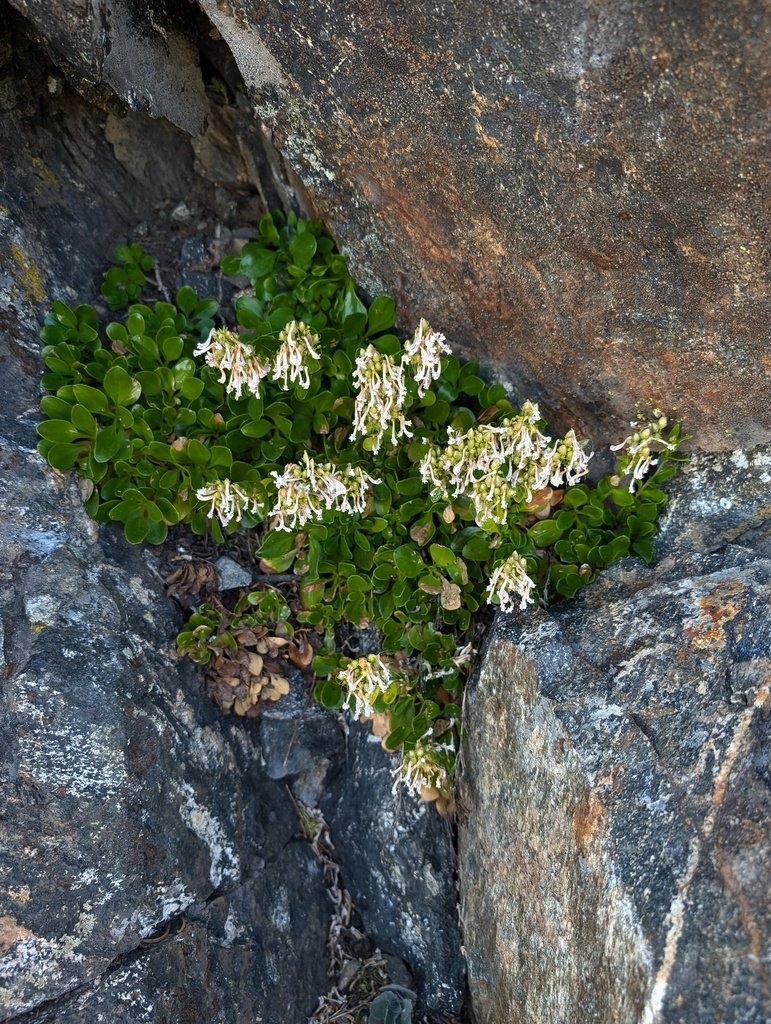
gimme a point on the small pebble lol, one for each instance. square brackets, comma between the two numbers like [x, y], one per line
[231, 574]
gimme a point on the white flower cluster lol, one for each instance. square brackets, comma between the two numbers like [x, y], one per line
[510, 578]
[424, 354]
[239, 365]
[382, 384]
[305, 491]
[380, 401]
[420, 770]
[290, 365]
[641, 447]
[498, 467]
[365, 680]
[241, 368]
[228, 500]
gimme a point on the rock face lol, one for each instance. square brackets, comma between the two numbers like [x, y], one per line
[615, 857]
[128, 806]
[150, 62]
[573, 192]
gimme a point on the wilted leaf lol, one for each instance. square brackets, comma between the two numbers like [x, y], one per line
[421, 533]
[255, 663]
[279, 686]
[300, 652]
[381, 724]
[450, 599]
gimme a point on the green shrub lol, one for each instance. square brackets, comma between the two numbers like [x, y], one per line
[403, 491]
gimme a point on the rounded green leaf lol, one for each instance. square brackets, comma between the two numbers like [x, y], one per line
[109, 441]
[381, 315]
[329, 693]
[302, 248]
[93, 399]
[185, 298]
[358, 584]
[255, 262]
[622, 497]
[58, 430]
[83, 420]
[575, 497]
[172, 348]
[136, 528]
[545, 533]
[62, 456]
[408, 561]
[276, 543]
[190, 388]
[55, 407]
[442, 556]
[118, 385]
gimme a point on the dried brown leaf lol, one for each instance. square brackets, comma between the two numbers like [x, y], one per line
[279, 686]
[420, 532]
[300, 652]
[255, 664]
[450, 599]
[381, 724]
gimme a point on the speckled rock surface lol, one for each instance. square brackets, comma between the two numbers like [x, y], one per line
[127, 803]
[617, 848]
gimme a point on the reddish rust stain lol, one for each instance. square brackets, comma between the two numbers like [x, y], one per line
[720, 606]
[588, 821]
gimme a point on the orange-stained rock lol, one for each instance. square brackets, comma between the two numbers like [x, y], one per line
[571, 192]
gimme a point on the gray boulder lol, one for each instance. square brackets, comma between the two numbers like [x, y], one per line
[616, 850]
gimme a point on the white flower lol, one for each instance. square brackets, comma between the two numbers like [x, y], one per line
[497, 467]
[365, 680]
[422, 767]
[567, 461]
[239, 365]
[228, 500]
[424, 354]
[305, 491]
[290, 364]
[641, 447]
[510, 576]
[380, 402]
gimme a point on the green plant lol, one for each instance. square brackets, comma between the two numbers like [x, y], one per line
[400, 490]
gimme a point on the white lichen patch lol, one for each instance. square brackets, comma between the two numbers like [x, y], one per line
[209, 748]
[225, 864]
[59, 753]
[39, 964]
[279, 913]
[162, 903]
[41, 609]
[127, 986]
[232, 930]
